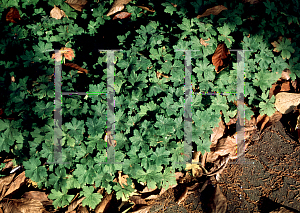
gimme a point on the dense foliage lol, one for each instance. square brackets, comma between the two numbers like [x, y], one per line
[148, 110]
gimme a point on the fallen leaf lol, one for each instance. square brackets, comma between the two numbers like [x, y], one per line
[213, 11]
[219, 55]
[213, 199]
[183, 196]
[148, 8]
[117, 6]
[77, 4]
[110, 139]
[15, 185]
[13, 15]
[144, 209]
[37, 195]
[203, 42]
[23, 205]
[218, 132]
[137, 200]
[68, 53]
[77, 67]
[122, 15]
[122, 179]
[74, 204]
[57, 13]
[286, 102]
[82, 209]
[4, 184]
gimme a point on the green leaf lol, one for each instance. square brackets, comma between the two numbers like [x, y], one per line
[267, 107]
[169, 8]
[168, 178]
[91, 199]
[225, 30]
[58, 179]
[60, 199]
[286, 48]
[33, 170]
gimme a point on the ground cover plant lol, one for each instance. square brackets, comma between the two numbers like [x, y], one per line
[149, 85]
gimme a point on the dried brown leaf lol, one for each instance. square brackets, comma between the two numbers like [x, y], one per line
[286, 102]
[77, 67]
[13, 15]
[4, 184]
[23, 206]
[203, 42]
[122, 179]
[148, 8]
[77, 4]
[122, 15]
[218, 132]
[82, 209]
[105, 203]
[183, 196]
[220, 164]
[218, 202]
[57, 13]
[213, 11]
[219, 55]
[15, 185]
[117, 6]
[74, 204]
[110, 139]
[144, 209]
[37, 195]
[9, 164]
[137, 200]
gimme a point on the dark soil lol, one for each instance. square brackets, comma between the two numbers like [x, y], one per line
[268, 179]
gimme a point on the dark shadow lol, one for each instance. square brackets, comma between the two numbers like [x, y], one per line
[266, 205]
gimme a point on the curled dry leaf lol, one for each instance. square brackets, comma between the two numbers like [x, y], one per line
[122, 15]
[220, 164]
[57, 13]
[219, 55]
[82, 209]
[122, 179]
[286, 102]
[213, 199]
[13, 15]
[137, 200]
[218, 132]
[24, 205]
[203, 42]
[4, 184]
[15, 185]
[148, 8]
[74, 204]
[37, 195]
[104, 204]
[213, 11]
[77, 67]
[68, 53]
[144, 209]
[117, 6]
[109, 139]
[77, 4]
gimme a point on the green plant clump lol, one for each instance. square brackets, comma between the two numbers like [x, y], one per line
[149, 110]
